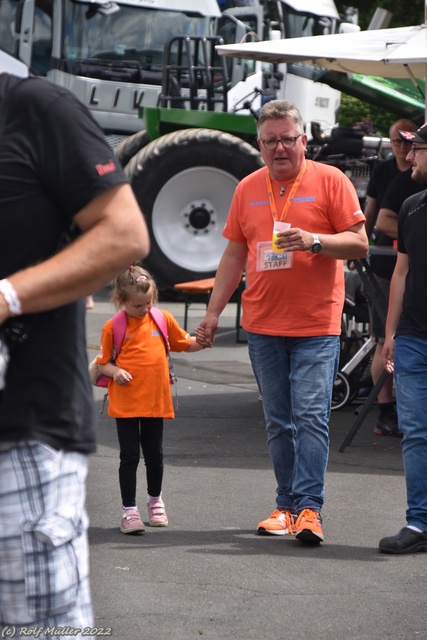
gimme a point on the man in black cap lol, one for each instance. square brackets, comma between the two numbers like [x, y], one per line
[405, 350]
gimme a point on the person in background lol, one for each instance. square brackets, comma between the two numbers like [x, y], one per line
[382, 267]
[367, 126]
[139, 392]
[400, 188]
[292, 306]
[405, 351]
[56, 172]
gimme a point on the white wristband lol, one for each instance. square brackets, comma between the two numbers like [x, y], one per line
[11, 297]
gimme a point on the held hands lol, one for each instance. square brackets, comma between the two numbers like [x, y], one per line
[294, 239]
[121, 376]
[205, 332]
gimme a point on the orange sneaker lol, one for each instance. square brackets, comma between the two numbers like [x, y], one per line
[308, 527]
[278, 524]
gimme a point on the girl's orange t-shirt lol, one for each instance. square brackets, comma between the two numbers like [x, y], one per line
[143, 355]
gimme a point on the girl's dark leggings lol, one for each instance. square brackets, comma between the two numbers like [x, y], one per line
[136, 434]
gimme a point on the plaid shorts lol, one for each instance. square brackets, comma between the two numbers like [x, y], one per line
[44, 558]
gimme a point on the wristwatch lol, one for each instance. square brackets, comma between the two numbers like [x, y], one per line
[316, 245]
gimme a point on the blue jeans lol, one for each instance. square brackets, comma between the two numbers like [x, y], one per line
[295, 377]
[410, 375]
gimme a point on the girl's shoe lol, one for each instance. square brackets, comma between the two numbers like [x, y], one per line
[131, 522]
[156, 512]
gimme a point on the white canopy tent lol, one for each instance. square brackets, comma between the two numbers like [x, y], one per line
[389, 53]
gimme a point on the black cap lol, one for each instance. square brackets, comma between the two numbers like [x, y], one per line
[420, 135]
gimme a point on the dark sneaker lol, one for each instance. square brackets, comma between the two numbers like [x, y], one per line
[406, 541]
[387, 426]
[308, 527]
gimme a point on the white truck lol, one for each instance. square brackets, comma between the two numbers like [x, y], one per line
[109, 53]
[129, 62]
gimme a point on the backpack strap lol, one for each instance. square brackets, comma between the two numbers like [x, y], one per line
[120, 322]
[160, 322]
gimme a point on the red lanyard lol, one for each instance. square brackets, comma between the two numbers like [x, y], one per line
[290, 197]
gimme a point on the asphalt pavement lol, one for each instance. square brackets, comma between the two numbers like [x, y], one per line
[208, 575]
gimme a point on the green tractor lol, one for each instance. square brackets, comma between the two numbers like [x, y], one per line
[185, 165]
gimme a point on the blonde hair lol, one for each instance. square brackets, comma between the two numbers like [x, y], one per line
[133, 280]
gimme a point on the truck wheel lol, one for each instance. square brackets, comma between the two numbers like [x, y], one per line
[130, 146]
[184, 182]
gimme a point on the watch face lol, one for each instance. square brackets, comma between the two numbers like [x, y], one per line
[315, 247]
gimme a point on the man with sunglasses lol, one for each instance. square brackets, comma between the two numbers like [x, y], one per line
[405, 350]
[292, 307]
[382, 177]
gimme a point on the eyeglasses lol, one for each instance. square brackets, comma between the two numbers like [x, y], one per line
[287, 141]
[398, 142]
[415, 149]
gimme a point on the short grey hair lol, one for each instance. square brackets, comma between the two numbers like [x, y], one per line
[278, 109]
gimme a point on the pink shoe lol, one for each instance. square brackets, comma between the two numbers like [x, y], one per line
[156, 512]
[131, 522]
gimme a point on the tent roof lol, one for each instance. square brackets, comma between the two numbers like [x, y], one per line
[381, 52]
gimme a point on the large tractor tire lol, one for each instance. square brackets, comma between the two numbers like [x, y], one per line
[130, 146]
[184, 182]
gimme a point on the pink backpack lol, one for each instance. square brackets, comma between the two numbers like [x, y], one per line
[119, 332]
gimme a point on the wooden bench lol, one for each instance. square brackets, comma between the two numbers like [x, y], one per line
[200, 291]
[197, 291]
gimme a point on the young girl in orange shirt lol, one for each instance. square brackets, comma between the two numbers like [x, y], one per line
[139, 391]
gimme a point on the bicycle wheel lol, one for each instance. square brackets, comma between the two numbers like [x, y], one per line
[341, 392]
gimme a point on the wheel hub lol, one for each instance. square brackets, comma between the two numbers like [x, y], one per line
[199, 217]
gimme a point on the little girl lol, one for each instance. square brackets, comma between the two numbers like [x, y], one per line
[139, 391]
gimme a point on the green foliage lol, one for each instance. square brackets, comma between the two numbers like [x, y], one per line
[404, 13]
[353, 110]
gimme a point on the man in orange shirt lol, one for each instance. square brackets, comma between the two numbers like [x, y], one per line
[292, 306]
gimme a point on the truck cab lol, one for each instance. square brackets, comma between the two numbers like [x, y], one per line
[108, 53]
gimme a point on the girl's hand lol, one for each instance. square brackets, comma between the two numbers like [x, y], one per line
[121, 376]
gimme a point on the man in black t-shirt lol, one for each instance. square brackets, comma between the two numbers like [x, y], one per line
[401, 188]
[382, 266]
[405, 351]
[56, 172]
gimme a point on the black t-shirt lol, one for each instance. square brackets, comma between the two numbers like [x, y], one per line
[382, 176]
[412, 234]
[53, 161]
[401, 188]
[380, 179]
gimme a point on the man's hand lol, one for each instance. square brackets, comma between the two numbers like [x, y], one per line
[205, 332]
[388, 355]
[294, 239]
[4, 310]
